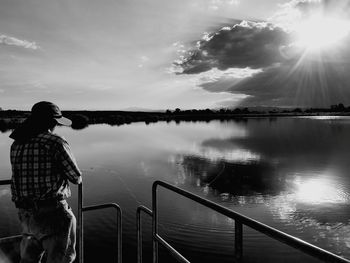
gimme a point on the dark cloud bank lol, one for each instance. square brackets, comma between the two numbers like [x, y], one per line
[288, 76]
[247, 44]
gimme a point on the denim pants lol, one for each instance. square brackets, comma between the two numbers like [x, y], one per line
[50, 230]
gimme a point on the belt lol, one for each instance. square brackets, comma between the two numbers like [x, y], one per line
[31, 204]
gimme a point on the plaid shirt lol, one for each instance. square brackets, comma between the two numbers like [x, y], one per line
[41, 168]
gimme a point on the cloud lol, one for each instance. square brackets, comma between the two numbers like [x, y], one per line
[296, 10]
[309, 85]
[143, 59]
[247, 44]
[12, 41]
[257, 44]
[99, 87]
[36, 87]
[236, 73]
[340, 8]
[286, 74]
[217, 4]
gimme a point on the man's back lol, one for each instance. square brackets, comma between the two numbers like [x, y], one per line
[41, 167]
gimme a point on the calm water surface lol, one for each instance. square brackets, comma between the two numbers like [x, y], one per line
[289, 173]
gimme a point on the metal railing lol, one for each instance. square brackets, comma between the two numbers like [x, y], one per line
[139, 229]
[81, 209]
[239, 219]
[80, 225]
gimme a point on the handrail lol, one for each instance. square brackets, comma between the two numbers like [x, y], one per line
[146, 210]
[292, 241]
[156, 239]
[172, 250]
[119, 223]
[80, 228]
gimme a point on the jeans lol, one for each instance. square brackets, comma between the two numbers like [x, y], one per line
[50, 230]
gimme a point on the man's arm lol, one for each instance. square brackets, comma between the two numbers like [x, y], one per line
[67, 163]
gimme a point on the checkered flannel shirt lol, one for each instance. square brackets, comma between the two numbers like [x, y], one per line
[41, 168]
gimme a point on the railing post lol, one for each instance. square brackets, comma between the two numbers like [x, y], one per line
[80, 223]
[140, 209]
[154, 223]
[120, 235]
[238, 240]
[139, 236]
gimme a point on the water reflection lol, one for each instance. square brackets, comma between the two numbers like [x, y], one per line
[289, 173]
[294, 168]
[319, 190]
[246, 179]
[215, 150]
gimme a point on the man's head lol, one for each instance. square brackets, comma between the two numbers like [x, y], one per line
[44, 117]
[47, 114]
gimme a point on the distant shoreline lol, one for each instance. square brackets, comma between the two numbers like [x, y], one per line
[10, 119]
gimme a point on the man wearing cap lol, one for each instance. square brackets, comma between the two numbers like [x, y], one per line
[42, 165]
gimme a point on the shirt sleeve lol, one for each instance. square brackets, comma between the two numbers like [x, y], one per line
[67, 163]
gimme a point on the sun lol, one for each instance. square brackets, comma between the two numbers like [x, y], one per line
[319, 32]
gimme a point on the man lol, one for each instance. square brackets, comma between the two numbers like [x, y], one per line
[42, 165]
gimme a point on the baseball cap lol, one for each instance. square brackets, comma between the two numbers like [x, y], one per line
[49, 110]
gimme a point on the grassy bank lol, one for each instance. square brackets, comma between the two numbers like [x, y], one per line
[11, 119]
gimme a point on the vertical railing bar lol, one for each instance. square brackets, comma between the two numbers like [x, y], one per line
[146, 210]
[120, 236]
[238, 240]
[139, 230]
[119, 223]
[139, 236]
[154, 223]
[80, 223]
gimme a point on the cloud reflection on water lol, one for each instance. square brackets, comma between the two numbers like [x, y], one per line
[237, 155]
[295, 169]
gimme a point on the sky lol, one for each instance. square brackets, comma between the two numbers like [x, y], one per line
[165, 54]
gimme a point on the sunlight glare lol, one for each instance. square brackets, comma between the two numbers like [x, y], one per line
[319, 191]
[320, 32]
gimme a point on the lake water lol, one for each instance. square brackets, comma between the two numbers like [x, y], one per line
[289, 173]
